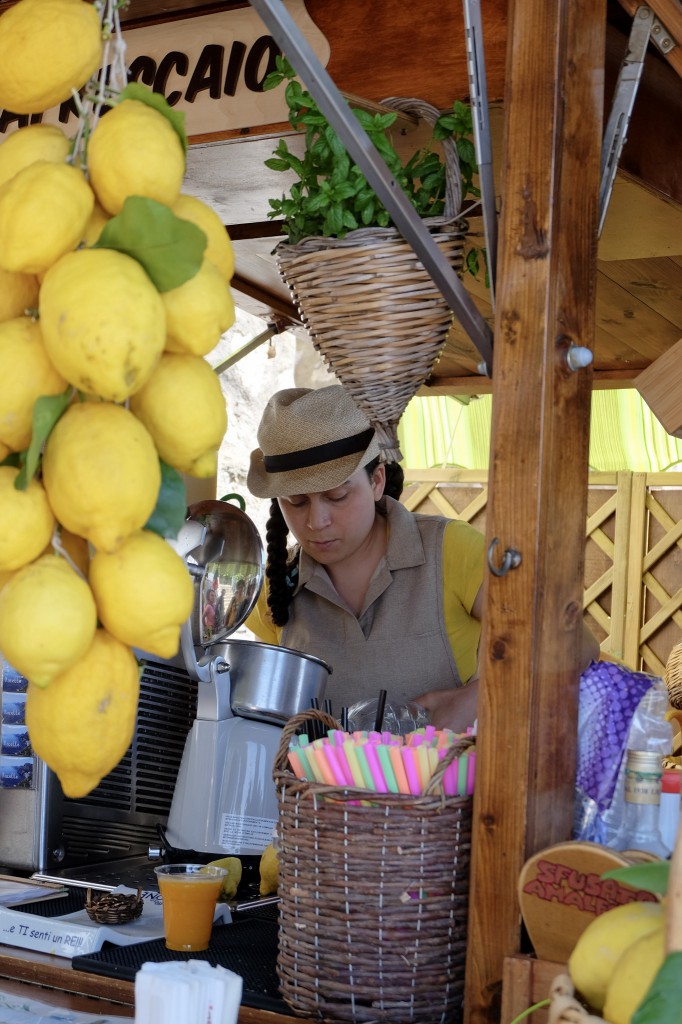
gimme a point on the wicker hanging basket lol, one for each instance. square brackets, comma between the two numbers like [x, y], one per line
[371, 309]
[374, 892]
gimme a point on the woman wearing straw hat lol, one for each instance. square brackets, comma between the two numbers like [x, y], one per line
[389, 599]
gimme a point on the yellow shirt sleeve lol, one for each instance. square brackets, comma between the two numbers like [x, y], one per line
[260, 622]
[463, 554]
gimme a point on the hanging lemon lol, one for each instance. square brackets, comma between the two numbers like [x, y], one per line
[43, 212]
[26, 521]
[198, 312]
[218, 244]
[26, 373]
[144, 593]
[103, 322]
[47, 619]
[101, 473]
[33, 142]
[183, 407]
[135, 151]
[48, 48]
[82, 724]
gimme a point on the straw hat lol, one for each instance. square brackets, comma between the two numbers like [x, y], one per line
[309, 441]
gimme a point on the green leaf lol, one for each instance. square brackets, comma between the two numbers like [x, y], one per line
[137, 91]
[171, 250]
[171, 504]
[663, 1000]
[652, 877]
[277, 165]
[46, 411]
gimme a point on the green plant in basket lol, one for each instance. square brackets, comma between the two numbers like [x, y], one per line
[331, 195]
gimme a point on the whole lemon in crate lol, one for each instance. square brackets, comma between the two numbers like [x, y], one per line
[18, 292]
[26, 373]
[218, 245]
[47, 49]
[269, 871]
[233, 866]
[33, 142]
[633, 976]
[103, 322]
[135, 151]
[198, 312]
[26, 521]
[43, 212]
[101, 472]
[599, 948]
[82, 724]
[47, 619]
[183, 407]
[144, 593]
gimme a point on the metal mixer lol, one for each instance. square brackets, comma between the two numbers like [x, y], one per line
[224, 800]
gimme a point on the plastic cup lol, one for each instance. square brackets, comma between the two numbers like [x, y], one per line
[189, 893]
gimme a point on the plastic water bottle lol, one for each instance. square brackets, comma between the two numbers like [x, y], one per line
[640, 825]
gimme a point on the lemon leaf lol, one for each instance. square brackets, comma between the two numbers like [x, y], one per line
[662, 1002]
[652, 877]
[137, 91]
[46, 412]
[171, 504]
[170, 249]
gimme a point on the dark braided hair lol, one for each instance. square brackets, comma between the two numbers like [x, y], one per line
[281, 570]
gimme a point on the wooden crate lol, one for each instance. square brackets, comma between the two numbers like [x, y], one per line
[525, 982]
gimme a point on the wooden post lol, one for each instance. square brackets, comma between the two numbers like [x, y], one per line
[538, 468]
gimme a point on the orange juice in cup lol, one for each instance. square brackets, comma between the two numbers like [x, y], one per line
[189, 893]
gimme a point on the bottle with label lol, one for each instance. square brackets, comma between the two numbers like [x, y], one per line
[640, 825]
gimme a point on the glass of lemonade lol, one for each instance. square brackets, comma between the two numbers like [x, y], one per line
[189, 893]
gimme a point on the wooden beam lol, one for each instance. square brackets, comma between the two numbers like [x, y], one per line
[527, 720]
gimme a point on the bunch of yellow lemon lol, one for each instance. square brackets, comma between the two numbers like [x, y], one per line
[93, 340]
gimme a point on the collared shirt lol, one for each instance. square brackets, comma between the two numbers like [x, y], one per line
[414, 632]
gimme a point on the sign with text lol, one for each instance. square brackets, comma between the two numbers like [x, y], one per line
[211, 67]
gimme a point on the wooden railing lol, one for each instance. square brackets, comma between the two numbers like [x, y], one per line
[633, 553]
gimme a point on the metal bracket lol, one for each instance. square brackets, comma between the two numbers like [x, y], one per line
[616, 132]
[478, 93]
[510, 560]
[290, 40]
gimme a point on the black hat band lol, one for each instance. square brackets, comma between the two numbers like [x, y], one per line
[320, 453]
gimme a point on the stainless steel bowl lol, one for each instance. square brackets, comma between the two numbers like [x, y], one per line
[271, 683]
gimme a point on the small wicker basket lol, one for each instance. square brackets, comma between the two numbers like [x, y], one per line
[114, 907]
[373, 898]
[372, 311]
[672, 676]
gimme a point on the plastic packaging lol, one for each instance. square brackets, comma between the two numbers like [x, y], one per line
[639, 827]
[398, 718]
[669, 817]
[619, 709]
[649, 731]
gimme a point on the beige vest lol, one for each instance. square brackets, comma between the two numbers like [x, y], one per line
[399, 641]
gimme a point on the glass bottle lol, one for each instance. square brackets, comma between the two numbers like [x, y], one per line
[640, 828]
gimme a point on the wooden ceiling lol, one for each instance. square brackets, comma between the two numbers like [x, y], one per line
[380, 48]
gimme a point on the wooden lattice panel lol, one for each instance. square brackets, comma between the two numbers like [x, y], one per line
[633, 553]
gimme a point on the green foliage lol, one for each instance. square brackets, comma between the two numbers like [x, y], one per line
[663, 1002]
[170, 249]
[331, 196]
[171, 504]
[651, 877]
[137, 91]
[46, 411]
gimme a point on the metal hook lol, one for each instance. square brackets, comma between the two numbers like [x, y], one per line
[510, 560]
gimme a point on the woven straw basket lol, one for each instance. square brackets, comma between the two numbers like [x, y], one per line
[672, 676]
[374, 897]
[371, 309]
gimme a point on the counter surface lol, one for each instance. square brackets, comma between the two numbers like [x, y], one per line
[79, 990]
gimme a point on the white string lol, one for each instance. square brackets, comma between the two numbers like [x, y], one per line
[106, 83]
